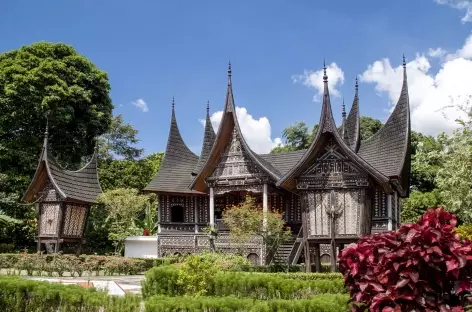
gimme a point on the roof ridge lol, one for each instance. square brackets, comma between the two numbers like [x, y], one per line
[353, 122]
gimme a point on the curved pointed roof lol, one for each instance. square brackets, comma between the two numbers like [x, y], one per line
[389, 149]
[179, 161]
[229, 123]
[326, 129]
[353, 131]
[208, 140]
[81, 185]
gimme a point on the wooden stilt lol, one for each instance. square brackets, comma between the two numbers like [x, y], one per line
[307, 257]
[317, 258]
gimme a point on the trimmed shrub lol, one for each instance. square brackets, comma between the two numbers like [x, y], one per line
[58, 264]
[420, 267]
[19, 295]
[321, 303]
[164, 280]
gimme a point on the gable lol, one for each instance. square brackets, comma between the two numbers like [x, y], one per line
[331, 167]
[235, 163]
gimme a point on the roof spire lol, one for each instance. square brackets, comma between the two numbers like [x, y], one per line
[325, 77]
[344, 110]
[404, 61]
[357, 85]
[229, 73]
[173, 103]
[208, 106]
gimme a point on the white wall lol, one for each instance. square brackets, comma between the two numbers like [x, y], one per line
[141, 247]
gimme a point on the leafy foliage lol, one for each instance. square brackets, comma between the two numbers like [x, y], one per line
[368, 127]
[246, 220]
[454, 177]
[320, 303]
[46, 296]
[125, 173]
[123, 208]
[119, 140]
[418, 203]
[465, 231]
[167, 280]
[421, 267]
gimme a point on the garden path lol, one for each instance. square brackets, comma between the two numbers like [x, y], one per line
[114, 285]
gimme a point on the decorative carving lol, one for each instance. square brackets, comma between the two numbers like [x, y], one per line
[74, 220]
[49, 219]
[332, 170]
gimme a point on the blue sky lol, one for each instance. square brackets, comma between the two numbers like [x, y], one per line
[153, 50]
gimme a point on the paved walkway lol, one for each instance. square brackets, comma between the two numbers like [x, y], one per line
[115, 285]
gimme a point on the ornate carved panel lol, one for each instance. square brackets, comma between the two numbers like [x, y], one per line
[236, 170]
[203, 209]
[348, 204]
[74, 220]
[49, 219]
[380, 204]
[332, 169]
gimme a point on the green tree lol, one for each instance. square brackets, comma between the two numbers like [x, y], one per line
[119, 140]
[124, 207]
[124, 173]
[368, 127]
[418, 203]
[454, 178]
[246, 221]
[425, 161]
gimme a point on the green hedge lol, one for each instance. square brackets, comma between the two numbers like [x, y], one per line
[320, 303]
[288, 268]
[19, 295]
[58, 264]
[164, 281]
[306, 276]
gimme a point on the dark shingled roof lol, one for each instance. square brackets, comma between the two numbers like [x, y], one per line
[284, 161]
[174, 175]
[352, 124]
[208, 140]
[389, 149]
[81, 185]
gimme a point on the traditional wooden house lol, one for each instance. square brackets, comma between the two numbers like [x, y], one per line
[331, 193]
[63, 199]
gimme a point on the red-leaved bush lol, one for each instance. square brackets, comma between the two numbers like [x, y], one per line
[422, 266]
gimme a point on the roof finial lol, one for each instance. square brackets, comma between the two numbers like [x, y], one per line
[325, 77]
[173, 102]
[404, 61]
[357, 84]
[46, 131]
[208, 106]
[344, 109]
[229, 73]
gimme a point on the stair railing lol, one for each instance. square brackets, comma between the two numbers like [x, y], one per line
[296, 248]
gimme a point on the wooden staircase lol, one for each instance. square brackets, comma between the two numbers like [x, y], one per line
[290, 251]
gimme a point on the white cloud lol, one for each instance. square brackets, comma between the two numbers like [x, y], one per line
[465, 5]
[314, 79]
[438, 52]
[139, 103]
[256, 132]
[465, 51]
[431, 94]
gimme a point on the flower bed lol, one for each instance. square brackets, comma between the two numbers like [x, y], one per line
[60, 265]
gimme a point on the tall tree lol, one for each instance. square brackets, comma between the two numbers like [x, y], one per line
[119, 140]
[49, 81]
[369, 126]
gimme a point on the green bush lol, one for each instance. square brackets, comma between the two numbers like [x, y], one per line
[58, 264]
[18, 295]
[164, 280]
[279, 267]
[321, 303]
[465, 231]
[4, 248]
